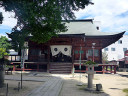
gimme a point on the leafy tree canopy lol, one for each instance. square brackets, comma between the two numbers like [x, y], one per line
[1, 17]
[104, 57]
[42, 18]
[4, 46]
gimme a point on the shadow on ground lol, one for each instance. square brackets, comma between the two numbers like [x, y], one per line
[122, 75]
[71, 88]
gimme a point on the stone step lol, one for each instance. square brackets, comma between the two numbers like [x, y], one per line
[60, 72]
[61, 64]
[60, 67]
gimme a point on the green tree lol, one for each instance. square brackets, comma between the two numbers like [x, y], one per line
[1, 63]
[4, 46]
[42, 18]
[1, 17]
[104, 57]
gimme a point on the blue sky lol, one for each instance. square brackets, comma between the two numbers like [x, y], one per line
[112, 14]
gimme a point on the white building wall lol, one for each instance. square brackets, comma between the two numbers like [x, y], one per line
[119, 52]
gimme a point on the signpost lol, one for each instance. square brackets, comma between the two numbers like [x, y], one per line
[23, 54]
[22, 64]
[80, 84]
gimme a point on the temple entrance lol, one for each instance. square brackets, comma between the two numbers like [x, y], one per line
[61, 53]
[60, 57]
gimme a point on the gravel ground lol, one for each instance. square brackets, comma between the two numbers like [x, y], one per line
[112, 84]
[13, 86]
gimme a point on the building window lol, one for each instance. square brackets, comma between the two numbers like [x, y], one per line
[96, 52]
[82, 52]
[90, 52]
[119, 41]
[76, 52]
[124, 49]
[105, 49]
[97, 28]
[113, 49]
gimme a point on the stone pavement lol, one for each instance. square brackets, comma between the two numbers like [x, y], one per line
[49, 88]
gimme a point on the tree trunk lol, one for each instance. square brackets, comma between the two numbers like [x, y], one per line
[1, 76]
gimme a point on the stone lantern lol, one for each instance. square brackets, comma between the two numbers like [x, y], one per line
[90, 73]
[90, 65]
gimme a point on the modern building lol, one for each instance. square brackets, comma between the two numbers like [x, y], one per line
[116, 50]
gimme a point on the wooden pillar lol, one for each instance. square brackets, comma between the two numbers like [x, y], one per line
[106, 68]
[11, 58]
[48, 65]
[23, 69]
[111, 68]
[86, 68]
[114, 69]
[72, 54]
[72, 58]
[14, 68]
[103, 69]
[100, 54]
[38, 67]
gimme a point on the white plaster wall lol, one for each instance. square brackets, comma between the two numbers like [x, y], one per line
[118, 53]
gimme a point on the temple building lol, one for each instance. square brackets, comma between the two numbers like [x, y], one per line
[83, 41]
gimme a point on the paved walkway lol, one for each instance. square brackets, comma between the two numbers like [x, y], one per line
[50, 88]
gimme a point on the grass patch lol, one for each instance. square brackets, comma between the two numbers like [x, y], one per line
[126, 91]
[82, 87]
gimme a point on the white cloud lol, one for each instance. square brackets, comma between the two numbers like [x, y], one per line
[8, 20]
[109, 13]
[3, 35]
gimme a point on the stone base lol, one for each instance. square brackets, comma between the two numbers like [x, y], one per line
[79, 84]
[90, 89]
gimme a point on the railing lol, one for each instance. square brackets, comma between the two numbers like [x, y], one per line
[17, 58]
[78, 61]
[104, 68]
